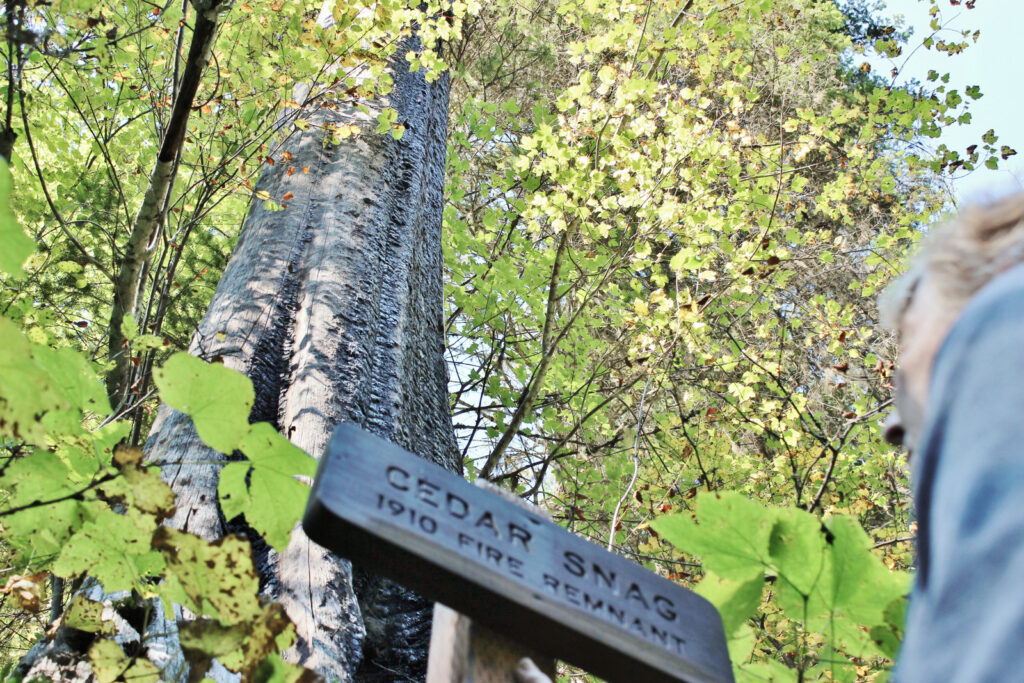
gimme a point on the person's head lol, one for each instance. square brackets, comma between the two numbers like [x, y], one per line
[956, 260]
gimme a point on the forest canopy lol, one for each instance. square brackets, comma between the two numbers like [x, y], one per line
[664, 228]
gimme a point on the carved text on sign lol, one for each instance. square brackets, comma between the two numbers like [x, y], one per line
[508, 568]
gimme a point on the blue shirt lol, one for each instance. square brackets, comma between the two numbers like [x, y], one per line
[966, 616]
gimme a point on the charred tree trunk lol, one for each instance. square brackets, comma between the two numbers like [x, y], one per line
[333, 307]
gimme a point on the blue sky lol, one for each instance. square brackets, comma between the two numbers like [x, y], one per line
[995, 63]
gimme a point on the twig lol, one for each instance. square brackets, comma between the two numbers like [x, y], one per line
[894, 541]
[548, 345]
[71, 496]
[636, 462]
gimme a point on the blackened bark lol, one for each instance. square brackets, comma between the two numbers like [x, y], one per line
[333, 307]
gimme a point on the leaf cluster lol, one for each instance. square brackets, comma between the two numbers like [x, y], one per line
[799, 598]
[665, 230]
[78, 501]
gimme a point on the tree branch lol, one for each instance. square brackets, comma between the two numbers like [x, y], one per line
[547, 352]
[161, 181]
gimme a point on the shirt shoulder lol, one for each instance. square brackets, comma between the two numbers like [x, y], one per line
[966, 618]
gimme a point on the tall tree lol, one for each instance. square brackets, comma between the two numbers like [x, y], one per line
[333, 308]
[332, 305]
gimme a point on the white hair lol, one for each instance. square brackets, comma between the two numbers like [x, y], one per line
[961, 256]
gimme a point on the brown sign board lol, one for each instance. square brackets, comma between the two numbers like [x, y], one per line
[527, 578]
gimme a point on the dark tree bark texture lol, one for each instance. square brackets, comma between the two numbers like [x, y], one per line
[333, 307]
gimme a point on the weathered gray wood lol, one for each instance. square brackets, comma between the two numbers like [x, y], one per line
[462, 651]
[508, 569]
[334, 308]
[465, 652]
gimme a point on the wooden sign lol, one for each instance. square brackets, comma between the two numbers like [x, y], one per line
[518, 574]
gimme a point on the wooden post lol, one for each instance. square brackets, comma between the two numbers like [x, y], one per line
[464, 652]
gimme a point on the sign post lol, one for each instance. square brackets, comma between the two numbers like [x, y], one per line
[462, 651]
[507, 568]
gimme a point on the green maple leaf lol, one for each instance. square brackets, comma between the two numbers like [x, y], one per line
[31, 402]
[732, 537]
[217, 578]
[264, 489]
[39, 477]
[217, 398]
[15, 245]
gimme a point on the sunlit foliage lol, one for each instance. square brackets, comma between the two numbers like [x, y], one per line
[665, 227]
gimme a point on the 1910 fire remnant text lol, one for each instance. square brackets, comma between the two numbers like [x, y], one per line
[504, 566]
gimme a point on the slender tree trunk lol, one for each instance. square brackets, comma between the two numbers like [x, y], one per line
[13, 18]
[333, 307]
[161, 182]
